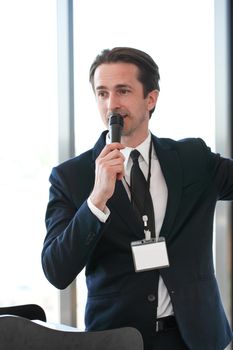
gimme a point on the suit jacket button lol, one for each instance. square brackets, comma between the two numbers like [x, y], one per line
[151, 297]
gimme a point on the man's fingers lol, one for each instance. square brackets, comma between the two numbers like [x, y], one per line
[111, 147]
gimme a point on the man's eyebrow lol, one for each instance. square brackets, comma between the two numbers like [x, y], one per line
[123, 86]
[101, 87]
[118, 86]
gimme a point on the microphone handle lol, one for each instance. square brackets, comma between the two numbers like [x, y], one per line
[115, 127]
[115, 133]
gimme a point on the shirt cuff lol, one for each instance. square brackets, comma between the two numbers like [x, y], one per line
[101, 215]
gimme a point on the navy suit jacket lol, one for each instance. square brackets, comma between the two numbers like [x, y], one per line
[118, 296]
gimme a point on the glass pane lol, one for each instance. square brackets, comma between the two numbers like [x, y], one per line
[28, 147]
[184, 51]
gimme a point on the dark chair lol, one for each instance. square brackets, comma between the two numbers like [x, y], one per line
[30, 311]
[17, 333]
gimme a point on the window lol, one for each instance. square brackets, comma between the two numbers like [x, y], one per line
[28, 147]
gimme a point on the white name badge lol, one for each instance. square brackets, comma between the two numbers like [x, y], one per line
[149, 254]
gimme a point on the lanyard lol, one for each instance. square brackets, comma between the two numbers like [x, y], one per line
[151, 217]
[149, 171]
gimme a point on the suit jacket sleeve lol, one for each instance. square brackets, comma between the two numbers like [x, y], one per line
[72, 231]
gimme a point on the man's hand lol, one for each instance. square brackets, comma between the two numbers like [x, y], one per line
[109, 168]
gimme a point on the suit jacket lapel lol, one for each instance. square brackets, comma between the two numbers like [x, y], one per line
[101, 142]
[171, 168]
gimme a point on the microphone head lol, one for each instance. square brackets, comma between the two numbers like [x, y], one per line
[116, 124]
[116, 118]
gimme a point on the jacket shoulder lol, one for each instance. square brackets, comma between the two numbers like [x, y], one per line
[185, 147]
[77, 171]
[193, 155]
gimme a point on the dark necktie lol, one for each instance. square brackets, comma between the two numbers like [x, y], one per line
[140, 194]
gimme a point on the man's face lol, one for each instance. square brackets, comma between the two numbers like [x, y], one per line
[117, 89]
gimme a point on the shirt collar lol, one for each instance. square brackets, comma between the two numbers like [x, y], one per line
[143, 148]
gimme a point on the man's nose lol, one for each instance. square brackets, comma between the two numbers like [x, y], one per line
[113, 102]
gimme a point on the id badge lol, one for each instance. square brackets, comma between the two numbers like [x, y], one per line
[149, 254]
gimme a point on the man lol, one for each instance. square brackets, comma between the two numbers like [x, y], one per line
[174, 302]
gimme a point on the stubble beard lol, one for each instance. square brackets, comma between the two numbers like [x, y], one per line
[130, 130]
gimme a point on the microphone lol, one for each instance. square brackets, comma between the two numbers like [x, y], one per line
[115, 127]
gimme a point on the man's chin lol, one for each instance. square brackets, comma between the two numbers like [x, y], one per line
[126, 133]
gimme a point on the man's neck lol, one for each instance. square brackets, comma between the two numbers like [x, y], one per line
[133, 142]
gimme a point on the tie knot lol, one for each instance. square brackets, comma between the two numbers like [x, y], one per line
[134, 155]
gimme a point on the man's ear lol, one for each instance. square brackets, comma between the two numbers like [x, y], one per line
[152, 98]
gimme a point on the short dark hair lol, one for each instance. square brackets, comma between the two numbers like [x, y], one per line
[148, 69]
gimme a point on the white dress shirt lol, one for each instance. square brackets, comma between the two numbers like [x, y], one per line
[159, 193]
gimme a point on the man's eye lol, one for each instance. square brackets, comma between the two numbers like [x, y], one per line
[124, 91]
[102, 94]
